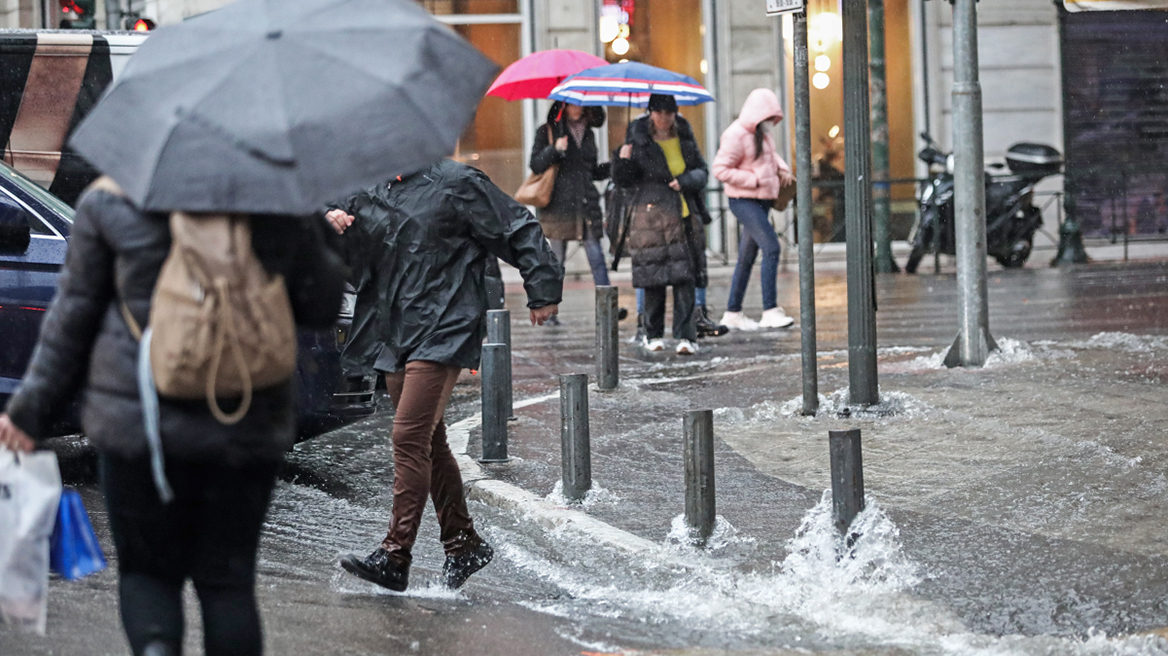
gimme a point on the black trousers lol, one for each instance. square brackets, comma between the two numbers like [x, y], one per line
[683, 310]
[209, 534]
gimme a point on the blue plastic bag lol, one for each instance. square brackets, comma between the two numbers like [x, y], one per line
[73, 549]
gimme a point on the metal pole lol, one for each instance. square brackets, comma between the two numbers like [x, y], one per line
[575, 444]
[847, 477]
[863, 386]
[494, 412]
[499, 332]
[804, 221]
[607, 339]
[881, 190]
[699, 474]
[973, 342]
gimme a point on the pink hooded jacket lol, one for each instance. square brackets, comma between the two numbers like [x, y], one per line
[742, 174]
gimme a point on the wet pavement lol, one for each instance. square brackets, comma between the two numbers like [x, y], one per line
[1016, 509]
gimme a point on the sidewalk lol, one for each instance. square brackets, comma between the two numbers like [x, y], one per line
[1027, 496]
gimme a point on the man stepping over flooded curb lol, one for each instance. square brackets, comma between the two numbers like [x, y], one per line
[429, 239]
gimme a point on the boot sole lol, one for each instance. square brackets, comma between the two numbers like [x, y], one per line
[354, 566]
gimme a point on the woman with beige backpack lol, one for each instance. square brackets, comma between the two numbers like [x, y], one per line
[565, 146]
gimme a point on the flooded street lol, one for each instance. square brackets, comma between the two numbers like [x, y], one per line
[1017, 509]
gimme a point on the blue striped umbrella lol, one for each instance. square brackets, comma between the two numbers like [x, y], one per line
[628, 85]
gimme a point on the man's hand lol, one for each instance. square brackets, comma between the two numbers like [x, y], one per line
[14, 439]
[626, 151]
[339, 220]
[562, 143]
[675, 185]
[540, 315]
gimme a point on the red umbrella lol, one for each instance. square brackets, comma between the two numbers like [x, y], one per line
[537, 74]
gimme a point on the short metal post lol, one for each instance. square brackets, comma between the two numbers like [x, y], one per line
[804, 207]
[575, 443]
[499, 332]
[847, 477]
[494, 411]
[699, 474]
[607, 338]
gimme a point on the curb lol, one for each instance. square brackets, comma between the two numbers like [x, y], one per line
[553, 518]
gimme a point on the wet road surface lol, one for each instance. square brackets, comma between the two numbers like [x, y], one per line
[935, 578]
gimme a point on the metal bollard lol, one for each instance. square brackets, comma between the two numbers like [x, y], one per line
[607, 338]
[494, 412]
[499, 332]
[847, 477]
[575, 444]
[699, 473]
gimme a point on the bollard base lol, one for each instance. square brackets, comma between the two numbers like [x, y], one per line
[494, 462]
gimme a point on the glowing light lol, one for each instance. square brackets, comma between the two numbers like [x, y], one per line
[833, 132]
[820, 81]
[788, 27]
[825, 30]
[620, 46]
[623, 32]
[704, 66]
[609, 29]
[822, 63]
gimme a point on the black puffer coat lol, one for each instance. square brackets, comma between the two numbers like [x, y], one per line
[443, 229]
[575, 203]
[116, 252]
[666, 249]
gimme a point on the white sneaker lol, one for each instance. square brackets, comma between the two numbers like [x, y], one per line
[775, 318]
[686, 347]
[738, 321]
[655, 345]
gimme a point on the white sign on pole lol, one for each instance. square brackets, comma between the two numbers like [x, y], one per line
[778, 7]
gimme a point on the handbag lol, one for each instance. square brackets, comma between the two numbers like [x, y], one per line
[536, 190]
[786, 195]
[73, 549]
[30, 487]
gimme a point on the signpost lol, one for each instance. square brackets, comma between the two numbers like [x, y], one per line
[779, 7]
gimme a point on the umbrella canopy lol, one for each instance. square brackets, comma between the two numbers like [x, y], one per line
[537, 74]
[1114, 5]
[278, 107]
[629, 85]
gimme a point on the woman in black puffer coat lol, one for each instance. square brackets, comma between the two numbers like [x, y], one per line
[222, 476]
[574, 211]
[663, 167]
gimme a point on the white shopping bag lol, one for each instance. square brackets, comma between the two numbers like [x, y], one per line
[30, 488]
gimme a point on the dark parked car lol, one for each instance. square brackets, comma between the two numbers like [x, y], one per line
[34, 231]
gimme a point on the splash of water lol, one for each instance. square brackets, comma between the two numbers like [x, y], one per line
[595, 495]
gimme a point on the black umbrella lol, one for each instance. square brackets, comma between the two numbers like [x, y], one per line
[278, 107]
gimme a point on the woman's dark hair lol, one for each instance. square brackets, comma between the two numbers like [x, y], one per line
[558, 113]
[760, 133]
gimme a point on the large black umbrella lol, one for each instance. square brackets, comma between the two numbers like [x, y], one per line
[279, 106]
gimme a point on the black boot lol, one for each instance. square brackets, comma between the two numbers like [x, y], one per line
[706, 327]
[459, 567]
[378, 568]
[640, 339]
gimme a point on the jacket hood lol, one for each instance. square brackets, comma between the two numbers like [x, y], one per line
[760, 105]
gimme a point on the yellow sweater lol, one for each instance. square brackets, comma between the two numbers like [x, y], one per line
[676, 162]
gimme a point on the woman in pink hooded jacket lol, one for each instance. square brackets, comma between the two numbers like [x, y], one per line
[752, 173]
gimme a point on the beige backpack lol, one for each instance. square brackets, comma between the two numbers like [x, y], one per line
[220, 324]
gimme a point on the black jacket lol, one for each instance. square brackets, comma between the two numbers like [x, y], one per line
[442, 229]
[575, 203]
[116, 252]
[666, 250]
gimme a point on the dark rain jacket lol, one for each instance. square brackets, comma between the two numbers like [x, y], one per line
[574, 209]
[666, 249]
[116, 253]
[443, 229]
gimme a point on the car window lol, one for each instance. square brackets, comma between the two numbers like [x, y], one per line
[34, 222]
[40, 193]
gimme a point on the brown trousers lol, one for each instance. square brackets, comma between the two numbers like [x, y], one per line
[423, 465]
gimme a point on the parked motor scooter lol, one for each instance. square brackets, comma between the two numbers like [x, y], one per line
[1011, 217]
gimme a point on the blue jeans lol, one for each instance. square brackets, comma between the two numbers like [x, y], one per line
[757, 234]
[595, 253]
